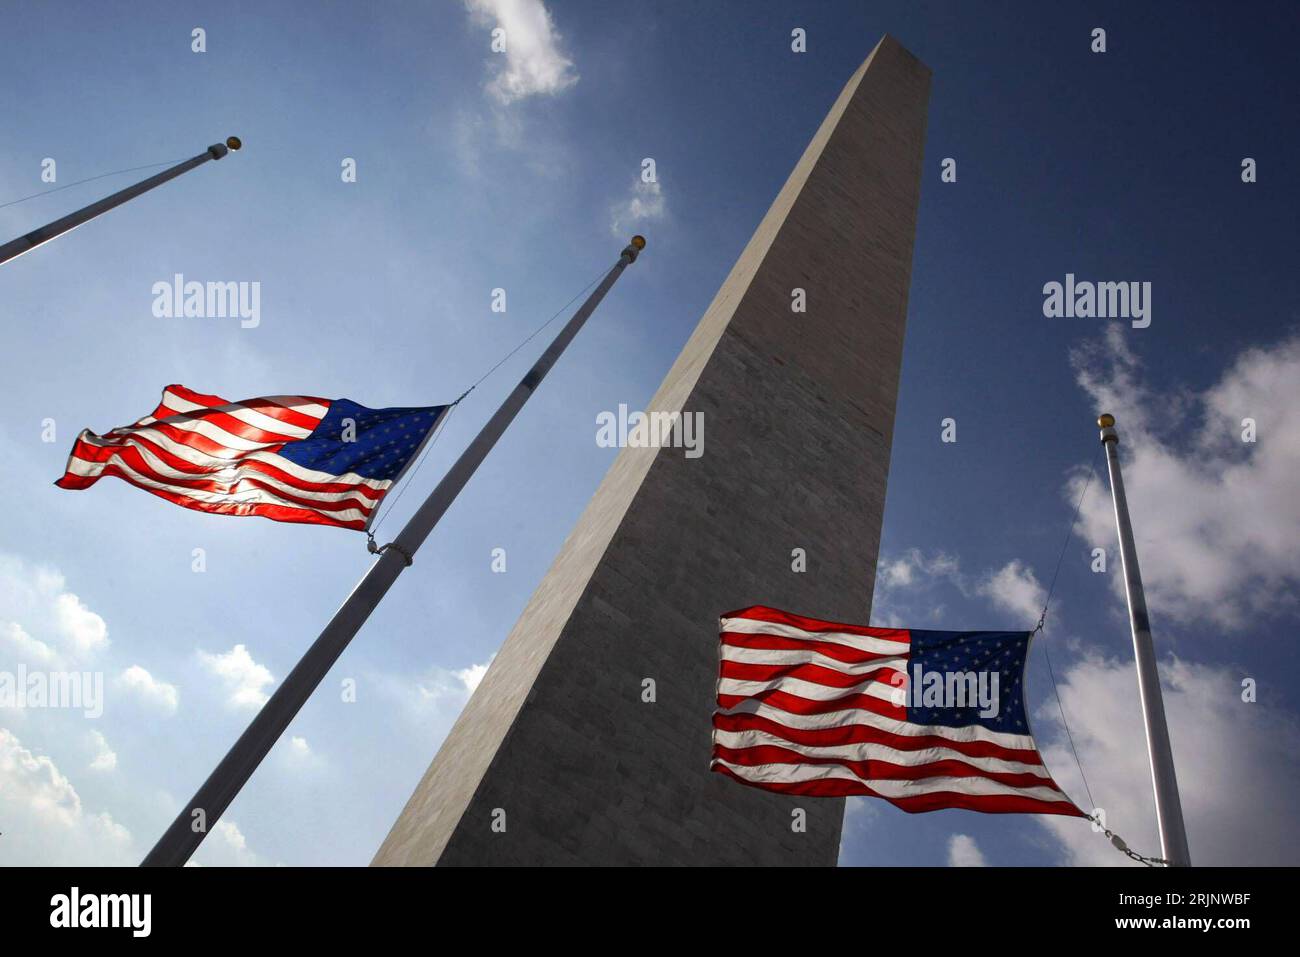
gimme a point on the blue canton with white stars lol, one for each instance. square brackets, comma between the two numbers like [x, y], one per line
[973, 651]
[385, 440]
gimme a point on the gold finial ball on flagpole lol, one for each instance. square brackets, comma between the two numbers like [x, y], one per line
[638, 242]
[233, 142]
[1106, 420]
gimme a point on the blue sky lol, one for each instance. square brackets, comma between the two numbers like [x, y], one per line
[475, 172]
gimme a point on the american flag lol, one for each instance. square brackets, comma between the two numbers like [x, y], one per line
[827, 709]
[290, 458]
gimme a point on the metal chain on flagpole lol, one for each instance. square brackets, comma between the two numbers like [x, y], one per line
[370, 537]
[1118, 842]
[1122, 846]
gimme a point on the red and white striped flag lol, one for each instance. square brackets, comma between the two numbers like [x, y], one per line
[288, 458]
[923, 719]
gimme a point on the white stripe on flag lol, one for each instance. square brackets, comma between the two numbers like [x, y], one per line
[738, 740]
[812, 691]
[856, 716]
[752, 626]
[801, 773]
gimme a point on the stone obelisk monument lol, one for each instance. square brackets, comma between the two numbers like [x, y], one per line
[588, 740]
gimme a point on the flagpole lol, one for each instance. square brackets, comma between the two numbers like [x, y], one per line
[16, 247]
[1169, 809]
[185, 834]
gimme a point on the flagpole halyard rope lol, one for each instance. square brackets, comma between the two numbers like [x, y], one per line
[1042, 619]
[370, 532]
[533, 335]
[90, 179]
[1069, 533]
[387, 507]
[1117, 841]
[1065, 724]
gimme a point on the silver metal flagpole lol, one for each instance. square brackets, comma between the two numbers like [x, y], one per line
[191, 825]
[16, 247]
[1169, 809]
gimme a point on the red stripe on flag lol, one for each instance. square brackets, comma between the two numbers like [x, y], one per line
[875, 769]
[782, 754]
[278, 513]
[797, 705]
[131, 457]
[776, 616]
[100, 453]
[818, 674]
[266, 406]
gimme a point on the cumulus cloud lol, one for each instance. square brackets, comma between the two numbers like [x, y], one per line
[1215, 518]
[645, 203]
[1015, 588]
[901, 579]
[24, 647]
[1237, 773]
[905, 587]
[226, 846]
[157, 694]
[244, 679]
[105, 758]
[437, 694]
[84, 631]
[441, 685]
[298, 756]
[45, 822]
[532, 62]
[964, 852]
[43, 623]
[471, 676]
[913, 565]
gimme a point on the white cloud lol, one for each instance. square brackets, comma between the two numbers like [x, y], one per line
[532, 62]
[912, 572]
[436, 694]
[157, 694]
[244, 679]
[905, 585]
[1214, 517]
[31, 650]
[440, 685]
[44, 820]
[1236, 766]
[298, 756]
[85, 631]
[43, 622]
[105, 758]
[226, 846]
[964, 852]
[645, 204]
[471, 676]
[912, 565]
[1015, 589]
